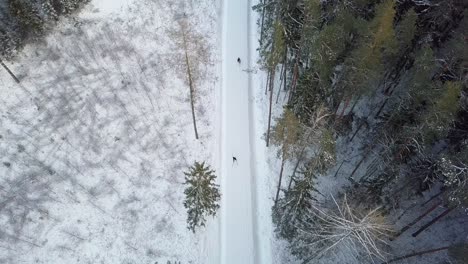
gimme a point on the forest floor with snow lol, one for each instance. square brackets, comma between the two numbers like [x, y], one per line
[96, 137]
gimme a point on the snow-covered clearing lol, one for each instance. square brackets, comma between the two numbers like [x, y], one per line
[95, 139]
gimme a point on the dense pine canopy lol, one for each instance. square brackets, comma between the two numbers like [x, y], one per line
[392, 77]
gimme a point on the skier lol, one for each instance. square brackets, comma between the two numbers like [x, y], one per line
[238, 60]
[234, 160]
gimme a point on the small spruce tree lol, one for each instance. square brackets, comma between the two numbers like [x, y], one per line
[201, 194]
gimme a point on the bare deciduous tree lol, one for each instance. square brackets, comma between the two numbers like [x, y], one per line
[344, 230]
[193, 59]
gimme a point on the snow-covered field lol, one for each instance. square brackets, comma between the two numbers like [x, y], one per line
[95, 139]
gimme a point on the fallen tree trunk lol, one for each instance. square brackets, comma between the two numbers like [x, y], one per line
[424, 227]
[417, 219]
[416, 254]
[9, 71]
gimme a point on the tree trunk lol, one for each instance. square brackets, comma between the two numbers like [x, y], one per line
[272, 77]
[299, 159]
[354, 104]
[278, 94]
[433, 197]
[338, 170]
[189, 75]
[279, 182]
[284, 69]
[401, 215]
[357, 166]
[416, 254]
[345, 106]
[192, 103]
[437, 218]
[261, 26]
[296, 64]
[281, 74]
[294, 78]
[381, 108]
[357, 131]
[267, 82]
[9, 72]
[285, 63]
[293, 174]
[417, 219]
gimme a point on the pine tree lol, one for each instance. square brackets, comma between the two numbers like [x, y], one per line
[383, 32]
[441, 115]
[286, 134]
[64, 7]
[307, 95]
[31, 23]
[448, 104]
[48, 8]
[279, 40]
[407, 28]
[25, 20]
[295, 204]
[278, 50]
[9, 40]
[312, 10]
[190, 60]
[201, 194]
[267, 10]
[421, 87]
[326, 154]
[330, 43]
[377, 45]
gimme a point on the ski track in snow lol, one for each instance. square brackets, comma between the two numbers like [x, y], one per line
[237, 232]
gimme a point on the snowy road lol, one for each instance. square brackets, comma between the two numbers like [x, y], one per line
[238, 196]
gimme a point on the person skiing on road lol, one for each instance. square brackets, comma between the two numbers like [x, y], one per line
[238, 60]
[234, 160]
